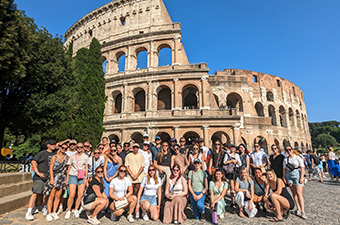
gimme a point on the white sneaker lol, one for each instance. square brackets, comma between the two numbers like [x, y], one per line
[222, 216]
[67, 215]
[88, 214]
[93, 220]
[137, 215]
[60, 210]
[130, 218]
[113, 217]
[175, 222]
[29, 216]
[49, 218]
[76, 213]
[44, 211]
[145, 216]
[55, 216]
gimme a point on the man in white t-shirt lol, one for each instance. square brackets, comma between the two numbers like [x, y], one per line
[258, 159]
[145, 152]
[97, 160]
[205, 150]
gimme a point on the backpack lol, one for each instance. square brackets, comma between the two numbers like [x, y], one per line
[316, 160]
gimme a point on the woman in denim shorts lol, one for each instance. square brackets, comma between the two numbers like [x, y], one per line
[151, 184]
[293, 175]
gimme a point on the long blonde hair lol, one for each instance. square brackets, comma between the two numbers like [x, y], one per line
[155, 178]
[161, 152]
[246, 170]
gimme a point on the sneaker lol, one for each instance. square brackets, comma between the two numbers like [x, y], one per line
[175, 222]
[202, 217]
[88, 214]
[145, 216]
[67, 215]
[44, 211]
[29, 216]
[113, 217]
[55, 216]
[137, 215]
[76, 213]
[130, 218]
[222, 216]
[35, 210]
[60, 210]
[93, 220]
[303, 215]
[49, 218]
[297, 213]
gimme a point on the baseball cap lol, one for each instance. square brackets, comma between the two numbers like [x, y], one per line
[232, 146]
[135, 145]
[197, 160]
[145, 135]
[173, 140]
[157, 138]
[146, 143]
[73, 142]
[113, 141]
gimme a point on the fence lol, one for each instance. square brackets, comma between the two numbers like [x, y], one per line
[14, 166]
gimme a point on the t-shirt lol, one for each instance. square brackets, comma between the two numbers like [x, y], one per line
[295, 161]
[122, 155]
[120, 187]
[197, 180]
[43, 158]
[258, 158]
[236, 156]
[206, 151]
[147, 159]
[135, 162]
[166, 160]
[155, 150]
[277, 164]
[244, 184]
[82, 161]
[150, 189]
[69, 153]
[94, 182]
[99, 162]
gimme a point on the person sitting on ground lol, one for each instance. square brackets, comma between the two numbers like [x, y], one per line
[218, 188]
[259, 188]
[152, 195]
[244, 188]
[279, 200]
[176, 190]
[95, 199]
[121, 192]
[198, 187]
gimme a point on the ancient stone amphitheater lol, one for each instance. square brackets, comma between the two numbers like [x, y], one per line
[177, 98]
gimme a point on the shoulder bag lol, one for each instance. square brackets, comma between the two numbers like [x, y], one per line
[81, 173]
[119, 204]
[230, 167]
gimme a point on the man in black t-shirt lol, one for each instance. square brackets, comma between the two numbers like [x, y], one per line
[40, 165]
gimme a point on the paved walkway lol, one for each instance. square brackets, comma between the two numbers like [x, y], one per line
[322, 207]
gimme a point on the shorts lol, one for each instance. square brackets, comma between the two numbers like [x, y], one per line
[74, 180]
[152, 199]
[230, 176]
[315, 170]
[88, 206]
[38, 186]
[293, 177]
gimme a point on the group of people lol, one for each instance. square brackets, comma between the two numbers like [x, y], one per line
[158, 180]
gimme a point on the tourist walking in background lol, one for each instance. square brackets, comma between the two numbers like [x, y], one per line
[112, 162]
[218, 188]
[314, 167]
[333, 165]
[276, 161]
[293, 175]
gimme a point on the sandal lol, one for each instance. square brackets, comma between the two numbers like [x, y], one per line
[275, 220]
[286, 215]
[241, 214]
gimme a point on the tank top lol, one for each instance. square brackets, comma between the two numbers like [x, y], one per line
[192, 159]
[178, 187]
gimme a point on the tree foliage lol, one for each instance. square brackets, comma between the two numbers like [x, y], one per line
[325, 140]
[328, 127]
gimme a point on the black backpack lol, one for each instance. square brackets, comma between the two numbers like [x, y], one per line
[316, 160]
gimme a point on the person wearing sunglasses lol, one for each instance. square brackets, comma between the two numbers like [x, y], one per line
[195, 155]
[106, 146]
[98, 201]
[72, 148]
[216, 158]
[95, 161]
[293, 175]
[276, 161]
[151, 187]
[258, 159]
[163, 160]
[176, 190]
[87, 149]
[135, 163]
[179, 158]
[101, 149]
[77, 178]
[183, 148]
[121, 190]
[111, 164]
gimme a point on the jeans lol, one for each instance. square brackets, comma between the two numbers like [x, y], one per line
[197, 207]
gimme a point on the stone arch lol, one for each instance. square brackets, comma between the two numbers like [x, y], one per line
[114, 137]
[291, 117]
[270, 96]
[121, 61]
[296, 145]
[164, 52]
[164, 136]
[307, 147]
[272, 114]
[192, 135]
[164, 98]
[234, 101]
[217, 101]
[298, 120]
[137, 137]
[190, 97]
[285, 143]
[259, 109]
[142, 58]
[221, 136]
[104, 64]
[276, 142]
[302, 147]
[260, 140]
[139, 95]
[117, 100]
[283, 116]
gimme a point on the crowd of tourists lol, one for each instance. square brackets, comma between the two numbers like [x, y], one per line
[161, 180]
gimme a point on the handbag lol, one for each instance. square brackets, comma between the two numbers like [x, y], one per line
[213, 170]
[119, 204]
[230, 167]
[81, 173]
[89, 198]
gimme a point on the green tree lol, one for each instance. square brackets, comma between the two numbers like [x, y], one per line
[89, 119]
[325, 140]
[335, 132]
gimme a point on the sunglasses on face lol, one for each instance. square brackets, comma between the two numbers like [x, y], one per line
[86, 146]
[100, 171]
[196, 163]
[274, 148]
[72, 144]
[63, 148]
[256, 146]
[217, 144]
[176, 149]
[122, 171]
[182, 141]
[195, 148]
[101, 148]
[175, 170]
[289, 149]
[165, 145]
[96, 153]
[135, 147]
[113, 150]
[80, 147]
[151, 170]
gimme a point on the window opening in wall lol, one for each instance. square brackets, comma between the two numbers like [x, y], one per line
[294, 91]
[104, 65]
[165, 57]
[190, 98]
[90, 33]
[164, 99]
[121, 63]
[254, 78]
[140, 101]
[122, 20]
[142, 60]
[270, 96]
[278, 83]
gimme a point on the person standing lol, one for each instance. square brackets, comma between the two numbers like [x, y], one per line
[258, 159]
[40, 165]
[184, 149]
[87, 149]
[146, 153]
[125, 151]
[163, 160]
[205, 150]
[314, 167]
[276, 161]
[156, 148]
[112, 162]
[180, 159]
[135, 164]
[216, 158]
[72, 148]
[244, 157]
[106, 146]
[95, 161]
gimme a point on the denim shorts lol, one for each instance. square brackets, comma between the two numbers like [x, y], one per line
[293, 177]
[74, 180]
[152, 199]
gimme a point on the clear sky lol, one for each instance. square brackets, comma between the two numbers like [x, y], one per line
[296, 40]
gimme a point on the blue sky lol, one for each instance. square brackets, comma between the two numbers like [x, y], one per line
[296, 40]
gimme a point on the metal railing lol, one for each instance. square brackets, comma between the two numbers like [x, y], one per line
[14, 166]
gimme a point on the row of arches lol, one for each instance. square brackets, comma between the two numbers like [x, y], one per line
[270, 98]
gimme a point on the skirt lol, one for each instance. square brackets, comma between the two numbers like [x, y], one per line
[174, 210]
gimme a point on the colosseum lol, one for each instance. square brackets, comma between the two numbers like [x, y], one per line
[176, 98]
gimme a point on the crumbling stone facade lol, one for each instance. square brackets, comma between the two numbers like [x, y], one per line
[182, 99]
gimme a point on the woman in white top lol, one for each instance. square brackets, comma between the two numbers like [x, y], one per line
[331, 163]
[121, 190]
[194, 155]
[293, 175]
[176, 190]
[152, 196]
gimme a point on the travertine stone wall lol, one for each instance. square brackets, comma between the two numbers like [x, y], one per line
[182, 99]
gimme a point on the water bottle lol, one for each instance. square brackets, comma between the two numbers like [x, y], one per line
[214, 217]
